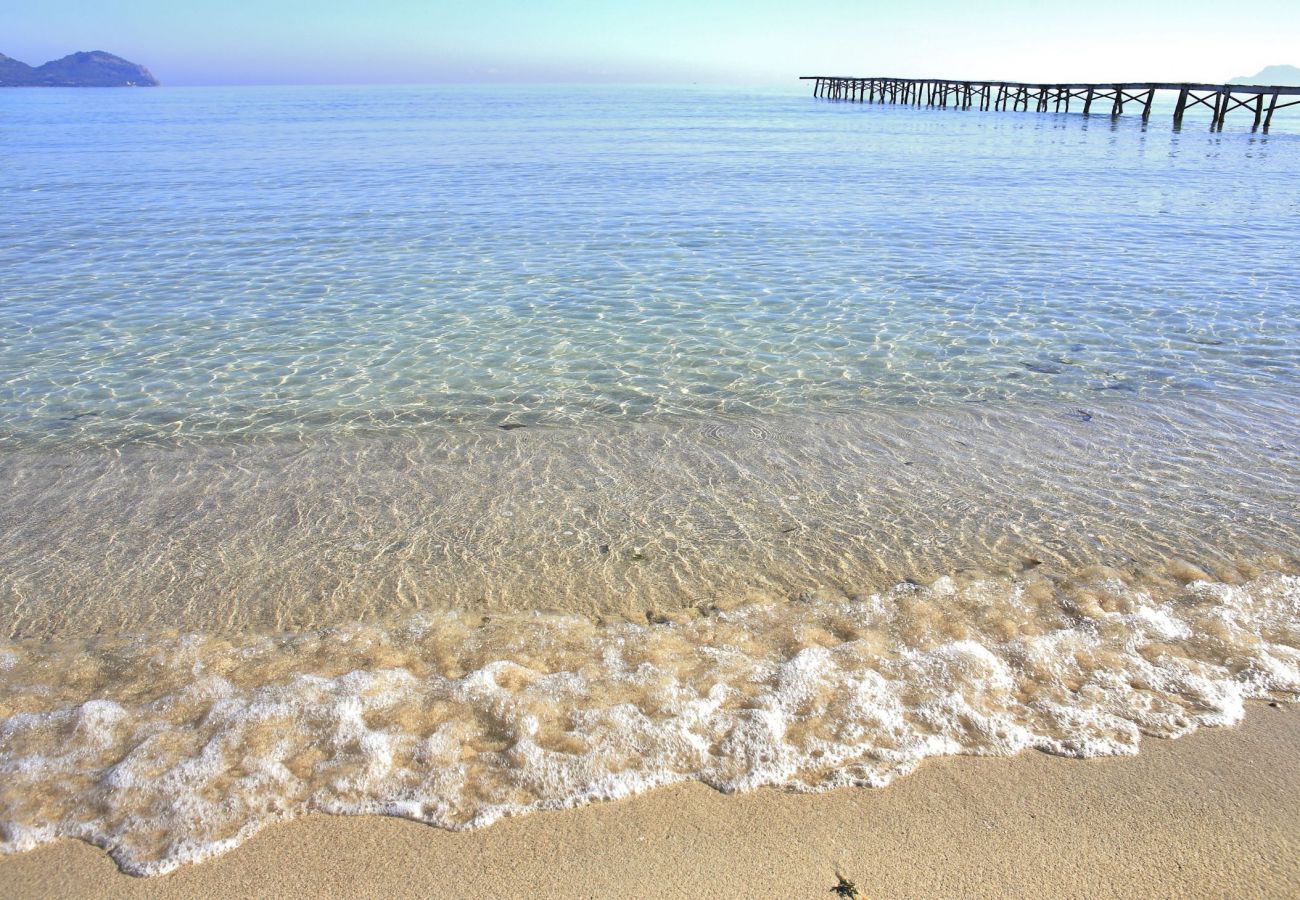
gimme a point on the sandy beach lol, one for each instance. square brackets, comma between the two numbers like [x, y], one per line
[1216, 814]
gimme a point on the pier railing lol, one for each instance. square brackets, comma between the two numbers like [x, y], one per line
[1220, 99]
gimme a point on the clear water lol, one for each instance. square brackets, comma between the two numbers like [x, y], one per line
[202, 263]
[455, 453]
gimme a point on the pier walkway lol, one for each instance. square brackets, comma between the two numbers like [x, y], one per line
[1260, 100]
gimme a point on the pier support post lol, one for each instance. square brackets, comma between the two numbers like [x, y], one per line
[1272, 105]
[1259, 110]
[1146, 107]
[1181, 107]
[1087, 103]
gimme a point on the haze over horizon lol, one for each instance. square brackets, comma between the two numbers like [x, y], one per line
[755, 42]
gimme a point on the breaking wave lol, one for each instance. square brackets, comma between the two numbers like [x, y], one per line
[170, 750]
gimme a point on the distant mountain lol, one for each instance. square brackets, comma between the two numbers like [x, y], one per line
[14, 72]
[1280, 76]
[93, 69]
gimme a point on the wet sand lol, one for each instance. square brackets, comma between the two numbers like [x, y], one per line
[1214, 814]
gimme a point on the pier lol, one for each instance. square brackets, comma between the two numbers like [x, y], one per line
[1258, 100]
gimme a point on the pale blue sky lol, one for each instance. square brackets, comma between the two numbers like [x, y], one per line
[751, 41]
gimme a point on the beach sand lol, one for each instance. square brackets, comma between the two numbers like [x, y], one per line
[1216, 814]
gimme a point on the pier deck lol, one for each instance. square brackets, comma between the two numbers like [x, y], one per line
[1259, 100]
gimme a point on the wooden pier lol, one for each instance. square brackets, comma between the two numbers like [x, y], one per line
[1221, 99]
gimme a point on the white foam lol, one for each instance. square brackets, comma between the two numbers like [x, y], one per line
[184, 750]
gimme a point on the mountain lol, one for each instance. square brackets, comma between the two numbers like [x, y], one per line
[14, 72]
[93, 69]
[1280, 76]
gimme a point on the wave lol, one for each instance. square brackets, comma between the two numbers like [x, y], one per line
[169, 750]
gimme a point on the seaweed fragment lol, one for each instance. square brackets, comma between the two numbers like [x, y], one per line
[846, 888]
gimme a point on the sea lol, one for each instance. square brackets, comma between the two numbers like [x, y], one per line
[459, 452]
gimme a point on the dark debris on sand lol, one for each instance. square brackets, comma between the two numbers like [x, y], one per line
[847, 889]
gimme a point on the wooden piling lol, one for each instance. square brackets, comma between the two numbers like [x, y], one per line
[1272, 105]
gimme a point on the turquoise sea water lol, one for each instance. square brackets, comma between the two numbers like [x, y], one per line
[199, 263]
[459, 453]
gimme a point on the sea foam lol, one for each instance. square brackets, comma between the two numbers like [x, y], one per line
[168, 751]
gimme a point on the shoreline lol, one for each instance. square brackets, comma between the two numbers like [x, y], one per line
[1213, 814]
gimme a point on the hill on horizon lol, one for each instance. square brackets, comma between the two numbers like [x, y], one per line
[1280, 76]
[93, 68]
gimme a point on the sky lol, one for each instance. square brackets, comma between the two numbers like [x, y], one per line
[726, 42]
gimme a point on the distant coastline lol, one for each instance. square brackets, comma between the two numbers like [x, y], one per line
[1282, 76]
[93, 68]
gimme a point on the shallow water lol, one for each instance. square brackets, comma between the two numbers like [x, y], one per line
[201, 263]
[457, 453]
